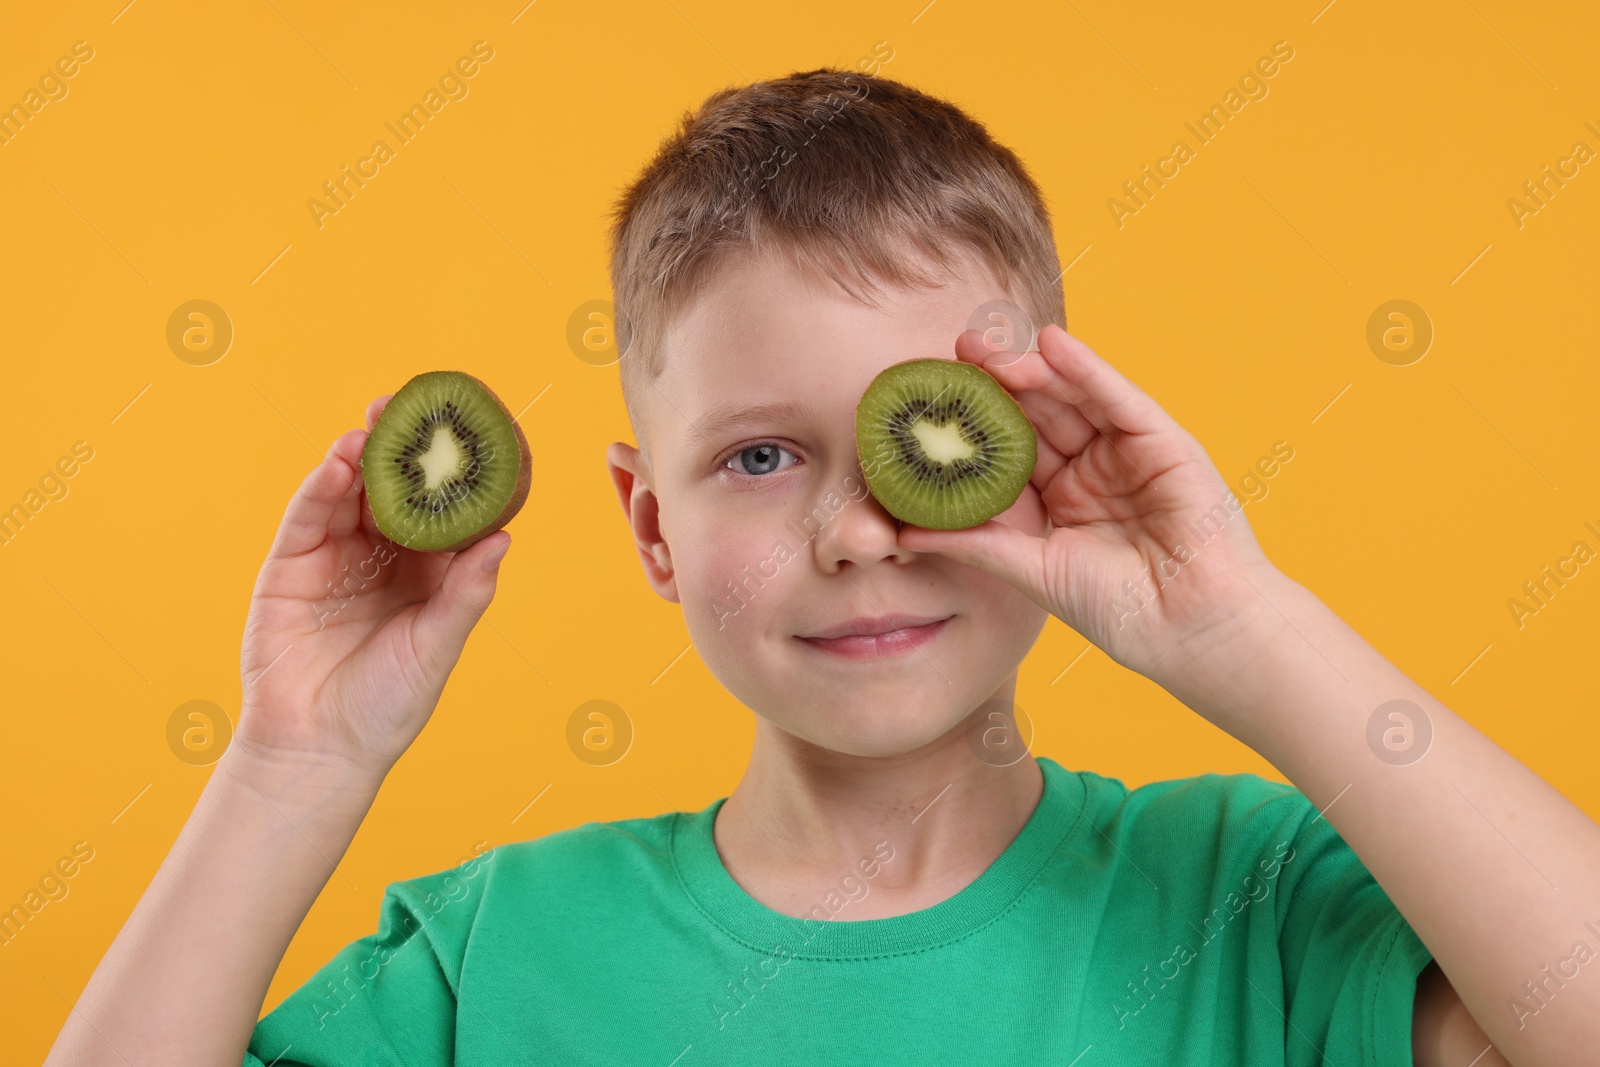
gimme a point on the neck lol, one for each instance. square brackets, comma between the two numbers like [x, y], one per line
[803, 819]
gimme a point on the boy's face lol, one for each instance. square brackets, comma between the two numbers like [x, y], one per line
[764, 531]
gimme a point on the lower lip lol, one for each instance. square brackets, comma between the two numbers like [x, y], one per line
[877, 646]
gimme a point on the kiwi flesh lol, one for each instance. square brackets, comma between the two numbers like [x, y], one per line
[942, 444]
[445, 464]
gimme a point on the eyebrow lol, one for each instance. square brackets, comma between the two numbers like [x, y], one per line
[720, 420]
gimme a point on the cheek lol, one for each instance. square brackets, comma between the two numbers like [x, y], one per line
[748, 559]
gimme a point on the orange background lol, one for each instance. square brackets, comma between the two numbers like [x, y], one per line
[178, 167]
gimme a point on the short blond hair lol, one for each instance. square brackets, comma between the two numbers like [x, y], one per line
[847, 175]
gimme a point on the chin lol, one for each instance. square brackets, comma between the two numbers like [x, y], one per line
[876, 735]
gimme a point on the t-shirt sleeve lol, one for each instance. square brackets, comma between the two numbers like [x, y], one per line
[1350, 960]
[387, 999]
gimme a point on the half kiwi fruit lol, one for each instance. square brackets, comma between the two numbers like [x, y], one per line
[445, 464]
[942, 444]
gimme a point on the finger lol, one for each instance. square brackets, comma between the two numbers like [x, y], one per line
[348, 515]
[992, 546]
[460, 601]
[1105, 397]
[1036, 386]
[1048, 464]
[1067, 370]
[375, 408]
[1061, 429]
[368, 524]
[333, 484]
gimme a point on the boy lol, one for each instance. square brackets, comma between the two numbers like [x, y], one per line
[888, 884]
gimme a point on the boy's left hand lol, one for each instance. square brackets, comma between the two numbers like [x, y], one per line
[1144, 556]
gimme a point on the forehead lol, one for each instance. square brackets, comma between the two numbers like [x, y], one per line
[761, 330]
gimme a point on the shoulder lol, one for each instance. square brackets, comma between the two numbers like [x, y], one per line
[620, 842]
[618, 848]
[1233, 818]
[1212, 800]
[592, 865]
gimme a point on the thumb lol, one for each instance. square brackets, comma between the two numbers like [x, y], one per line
[991, 546]
[461, 599]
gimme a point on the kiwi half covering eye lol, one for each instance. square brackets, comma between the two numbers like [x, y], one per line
[942, 444]
[445, 465]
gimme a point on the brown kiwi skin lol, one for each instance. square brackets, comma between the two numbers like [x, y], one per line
[519, 496]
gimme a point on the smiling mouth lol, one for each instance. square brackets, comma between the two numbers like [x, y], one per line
[896, 640]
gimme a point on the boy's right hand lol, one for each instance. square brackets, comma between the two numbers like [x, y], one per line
[350, 637]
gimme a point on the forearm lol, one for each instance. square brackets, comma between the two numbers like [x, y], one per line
[183, 982]
[1494, 869]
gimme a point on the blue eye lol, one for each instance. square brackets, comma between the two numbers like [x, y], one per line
[753, 461]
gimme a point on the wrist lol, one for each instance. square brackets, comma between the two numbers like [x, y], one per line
[1220, 667]
[301, 785]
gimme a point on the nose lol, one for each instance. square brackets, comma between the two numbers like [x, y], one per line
[847, 524]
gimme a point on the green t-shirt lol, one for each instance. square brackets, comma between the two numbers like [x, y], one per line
[1217, 919]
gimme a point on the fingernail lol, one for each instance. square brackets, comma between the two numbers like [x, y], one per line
[492, 560]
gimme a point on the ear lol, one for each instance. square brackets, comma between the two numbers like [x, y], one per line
[642, 510]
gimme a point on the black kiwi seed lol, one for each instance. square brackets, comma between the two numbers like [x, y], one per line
[942, 443]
